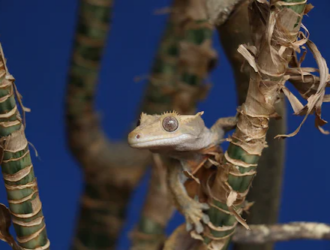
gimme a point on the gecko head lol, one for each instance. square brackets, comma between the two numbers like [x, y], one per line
[166, 131]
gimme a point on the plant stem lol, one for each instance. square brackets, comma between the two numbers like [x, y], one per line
[266, 190]
[17, 169]
[180, 239]
[110, 175]
[176, 83]
[259, 234]
[231, 185]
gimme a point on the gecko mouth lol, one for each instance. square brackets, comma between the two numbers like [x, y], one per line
[158, 143]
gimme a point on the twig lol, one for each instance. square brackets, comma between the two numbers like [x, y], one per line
[259, 234]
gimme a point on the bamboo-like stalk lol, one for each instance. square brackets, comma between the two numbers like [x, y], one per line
[176, 83]
[266, 189]
[158, 98]
[17, 169]
[150, 231]
[110, 176]
[177, 77]
[231, 185]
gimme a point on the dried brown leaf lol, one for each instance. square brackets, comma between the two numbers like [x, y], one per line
[248, 56]
[308, 8]
[315, 100]
[294, 101]
[258, 16]
[5, 223]
[180, 239]
[326, 98]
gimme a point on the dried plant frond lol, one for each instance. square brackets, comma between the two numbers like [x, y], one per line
[5, 223]
[314, 95]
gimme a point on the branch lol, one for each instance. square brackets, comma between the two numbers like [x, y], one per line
[259, 234]
[110, 175]
[86, 138]
[220, 10]
[267, 184]
[17, 169]
[158, 209]
[275, 27]
[176, 83]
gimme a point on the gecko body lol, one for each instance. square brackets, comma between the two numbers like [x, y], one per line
[184, 139]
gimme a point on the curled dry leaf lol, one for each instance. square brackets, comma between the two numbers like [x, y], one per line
[315, 93]
[180, 239]
[310, 87]
[308, 8]
[5, 223]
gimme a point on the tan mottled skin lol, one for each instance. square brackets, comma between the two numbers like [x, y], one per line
[183, 146]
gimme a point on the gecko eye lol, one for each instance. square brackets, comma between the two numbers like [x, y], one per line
[138, 123]
[170, 124]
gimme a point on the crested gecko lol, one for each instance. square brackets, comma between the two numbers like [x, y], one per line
[182, 138]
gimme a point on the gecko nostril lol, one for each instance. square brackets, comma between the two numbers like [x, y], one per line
[138, 136]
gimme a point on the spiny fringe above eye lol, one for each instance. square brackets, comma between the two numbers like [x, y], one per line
[191, 118]
[143, 116]
[174, 113]
[171, 113]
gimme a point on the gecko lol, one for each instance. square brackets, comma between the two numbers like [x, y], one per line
[183, 139]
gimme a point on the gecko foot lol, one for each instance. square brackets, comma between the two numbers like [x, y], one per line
[194, 215]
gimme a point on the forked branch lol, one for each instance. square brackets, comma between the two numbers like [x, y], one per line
[109, 175]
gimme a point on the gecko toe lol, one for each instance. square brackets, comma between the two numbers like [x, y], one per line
[199, 228]
[189, 226]
[204, 206]
[206, 218]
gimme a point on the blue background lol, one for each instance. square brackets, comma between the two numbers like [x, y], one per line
[37, 38]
